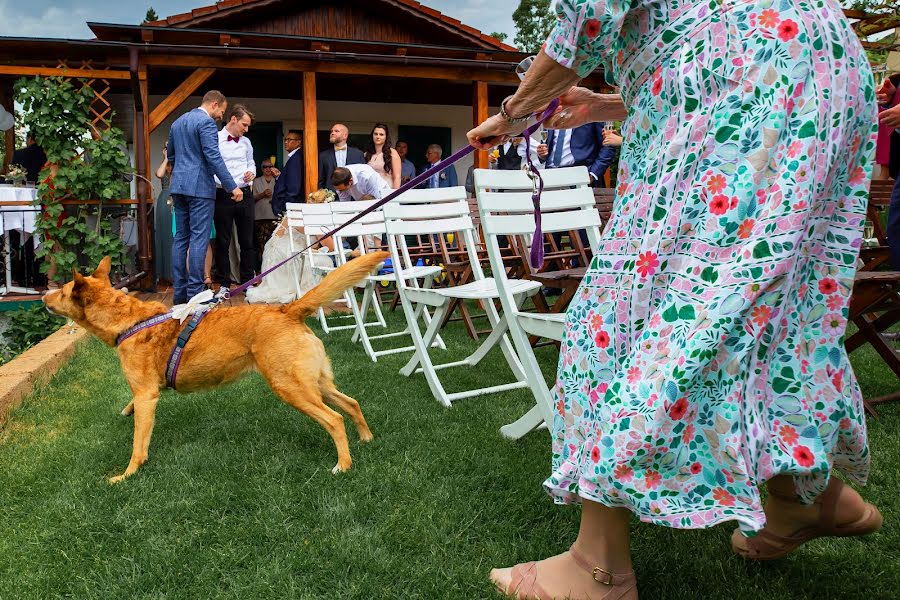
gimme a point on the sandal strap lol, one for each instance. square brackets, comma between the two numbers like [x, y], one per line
[524, 582]
[600, 575]
[828, 502]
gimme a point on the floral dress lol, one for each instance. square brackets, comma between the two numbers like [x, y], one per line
[703, 352]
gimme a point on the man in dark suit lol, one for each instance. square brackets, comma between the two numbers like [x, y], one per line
[446, 178]
[31, 158]
[582, 146]
[193, 152]
[339, 155]
[290, 184]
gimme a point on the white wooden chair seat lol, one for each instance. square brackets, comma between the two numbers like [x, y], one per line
[483, 289]
[546, 325]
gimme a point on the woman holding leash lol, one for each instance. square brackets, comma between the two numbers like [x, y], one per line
[704, 351]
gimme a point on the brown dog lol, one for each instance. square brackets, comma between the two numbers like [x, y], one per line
[228, 342]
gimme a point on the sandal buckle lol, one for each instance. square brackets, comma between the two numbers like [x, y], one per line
[606, 578]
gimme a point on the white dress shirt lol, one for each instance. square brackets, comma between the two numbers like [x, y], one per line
[238, 157]
[366, 181]
[290, 154]
[567, 159]
[340, 156]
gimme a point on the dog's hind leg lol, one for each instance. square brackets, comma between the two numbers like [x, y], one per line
[128, 410]
[306, 398]
[347, 404]
[144, 405]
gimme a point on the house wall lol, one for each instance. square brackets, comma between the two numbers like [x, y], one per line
[358, 116]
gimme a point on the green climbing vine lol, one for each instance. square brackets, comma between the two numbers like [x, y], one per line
[83, 164]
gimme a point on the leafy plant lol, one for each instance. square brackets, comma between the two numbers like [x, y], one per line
[533, 19]
[28, 326]
[83, 164]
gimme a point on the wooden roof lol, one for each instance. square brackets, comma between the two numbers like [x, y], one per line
[372, 20]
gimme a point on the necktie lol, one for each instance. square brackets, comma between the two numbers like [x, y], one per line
[558, 143]
[341, 149]
[234, 139]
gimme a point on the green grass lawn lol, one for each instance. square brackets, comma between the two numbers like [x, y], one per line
[238, 500]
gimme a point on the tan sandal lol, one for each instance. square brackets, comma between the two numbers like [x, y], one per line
[524, 584]
[770, 546]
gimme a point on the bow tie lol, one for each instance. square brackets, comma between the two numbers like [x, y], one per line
[340, 149]
[234, 139]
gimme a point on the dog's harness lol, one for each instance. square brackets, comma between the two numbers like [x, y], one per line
[185, 335]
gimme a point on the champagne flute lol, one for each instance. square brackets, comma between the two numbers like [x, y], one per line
[544, 135]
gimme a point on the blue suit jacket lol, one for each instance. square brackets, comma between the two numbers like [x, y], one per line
[588, 149]
[289, 185]
[195, 157]
[446, 178]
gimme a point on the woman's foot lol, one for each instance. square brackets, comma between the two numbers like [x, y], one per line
[840, 511]
[569, 575]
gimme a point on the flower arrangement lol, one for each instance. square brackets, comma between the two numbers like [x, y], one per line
[321, 197]
[16, 174]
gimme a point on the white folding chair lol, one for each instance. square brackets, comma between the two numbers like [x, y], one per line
[567, 204]
[365, 230]
[410, 218]
[316, 220]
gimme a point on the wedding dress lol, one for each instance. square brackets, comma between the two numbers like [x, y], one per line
[280, 286]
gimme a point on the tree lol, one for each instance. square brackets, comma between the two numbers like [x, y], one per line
[499, 35]
[534, 19]
[151, 15]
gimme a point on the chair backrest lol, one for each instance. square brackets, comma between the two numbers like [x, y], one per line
[567, 202]
[367, 230]
[294, 214]
[415, 217]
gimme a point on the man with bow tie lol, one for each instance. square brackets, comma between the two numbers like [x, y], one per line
[237, 152]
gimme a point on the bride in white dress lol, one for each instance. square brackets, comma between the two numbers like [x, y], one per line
[293, 279]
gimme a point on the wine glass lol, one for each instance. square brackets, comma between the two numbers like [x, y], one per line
[544, 135]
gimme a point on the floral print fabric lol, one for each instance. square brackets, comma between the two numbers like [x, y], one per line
[704, 349]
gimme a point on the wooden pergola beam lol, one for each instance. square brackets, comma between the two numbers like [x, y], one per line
[9, 136]
[479, 115]
[378, 70]
[310, 134]
[179, 95]
[64, 72]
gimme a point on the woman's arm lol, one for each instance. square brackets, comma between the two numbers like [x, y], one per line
[163, 166]
[396, 167]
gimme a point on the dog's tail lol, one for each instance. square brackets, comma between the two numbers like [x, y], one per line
[334, 284]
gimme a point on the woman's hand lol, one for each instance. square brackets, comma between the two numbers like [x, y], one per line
[493, 132]
[890, 117]
[611, 138]
[579, 106]
[885, 92]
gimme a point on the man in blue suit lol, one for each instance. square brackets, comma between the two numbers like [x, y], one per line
[446, 178]
[289, 185]
[193, 152]
[582, 146]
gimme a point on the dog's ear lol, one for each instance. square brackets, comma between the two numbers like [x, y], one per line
[102, 270]
[77, 282]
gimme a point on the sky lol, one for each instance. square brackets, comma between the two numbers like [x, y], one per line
[66, 18]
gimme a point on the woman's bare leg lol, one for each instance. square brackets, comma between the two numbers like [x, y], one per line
[604, 540]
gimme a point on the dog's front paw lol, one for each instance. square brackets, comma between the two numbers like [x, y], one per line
[366, 436]
[117, 479]
[339, 469]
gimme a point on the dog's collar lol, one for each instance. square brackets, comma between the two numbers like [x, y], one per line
[143, 325]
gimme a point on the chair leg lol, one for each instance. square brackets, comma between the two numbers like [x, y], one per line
[360, 319]
[433, 323]
[421, 356]
[523, 425]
